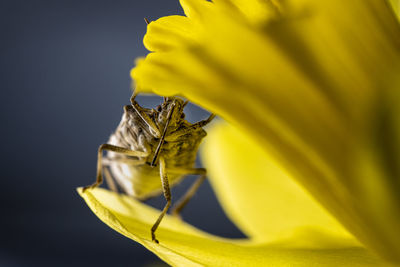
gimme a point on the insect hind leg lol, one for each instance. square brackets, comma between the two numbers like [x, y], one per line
[110, 180]
[178, 207]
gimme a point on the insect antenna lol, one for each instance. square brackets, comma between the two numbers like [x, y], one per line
[158, 149]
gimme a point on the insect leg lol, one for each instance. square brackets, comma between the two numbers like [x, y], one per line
[208, 120]
[112, 148]
[110, 181]
[191, 128]
[192, 190]
[187, 171]
[167, 195]
[177, 208]
[153, 127]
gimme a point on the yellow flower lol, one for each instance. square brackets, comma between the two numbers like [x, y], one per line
[312, 92]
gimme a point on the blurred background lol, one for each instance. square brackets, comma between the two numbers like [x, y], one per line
[64, 80]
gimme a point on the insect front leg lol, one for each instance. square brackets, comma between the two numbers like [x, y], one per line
[99, 177]
[172, 136]
[167, 195]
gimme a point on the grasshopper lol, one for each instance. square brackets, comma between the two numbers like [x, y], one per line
[149, 146]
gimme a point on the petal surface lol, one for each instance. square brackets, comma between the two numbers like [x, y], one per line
[170, 32]
[183, 245]
[257, 193]
[396, 7]
[304, 84]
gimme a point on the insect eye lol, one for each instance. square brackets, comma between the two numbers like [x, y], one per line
[158, 108]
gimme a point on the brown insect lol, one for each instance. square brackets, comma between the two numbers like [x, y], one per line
[150, 144]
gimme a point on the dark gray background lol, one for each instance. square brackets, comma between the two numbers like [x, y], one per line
[64, 79]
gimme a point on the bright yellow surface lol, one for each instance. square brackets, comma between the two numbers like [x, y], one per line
[257, 193]
[396, 7]
[183, 245]
[313, 82]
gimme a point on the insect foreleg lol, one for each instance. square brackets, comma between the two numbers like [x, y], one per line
[172, 136]
[99, 178]
[167, 195]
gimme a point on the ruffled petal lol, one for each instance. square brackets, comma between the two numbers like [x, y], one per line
[168, 32]
[194, 9]
[304, 85]
[183, 245]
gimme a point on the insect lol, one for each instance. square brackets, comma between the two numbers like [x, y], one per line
[151, 150]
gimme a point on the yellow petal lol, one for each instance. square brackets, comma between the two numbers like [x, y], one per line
[183, 245]
[304, 87]
[170, 32]
[396, 7]
[194, 9]
[255, 11]
[258, 194]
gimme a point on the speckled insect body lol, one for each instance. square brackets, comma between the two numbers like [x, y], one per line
[151, 150]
